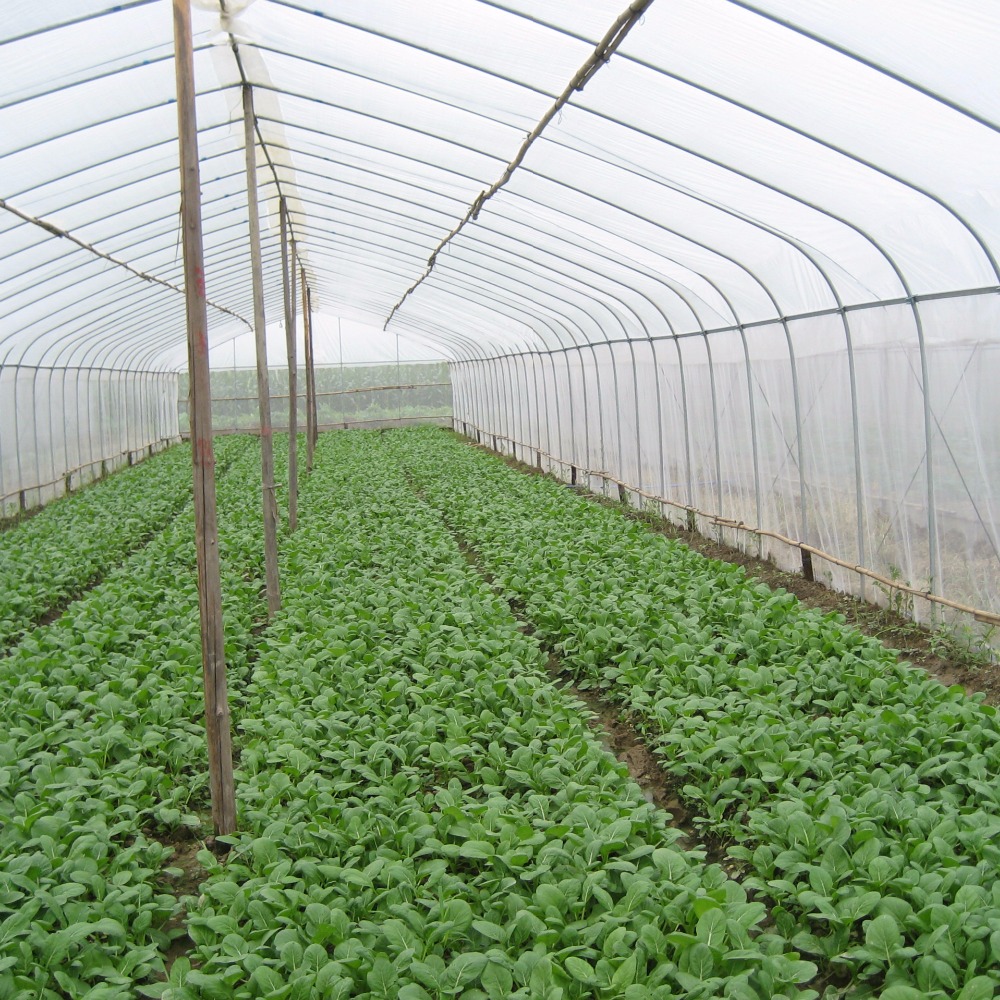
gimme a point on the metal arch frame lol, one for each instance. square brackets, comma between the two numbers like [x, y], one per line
[791, 26]
[788, 339]
[141, 288]
[870, 63]
[469, 359]
[840, 304]
[657, 308]
[86, 336]
[476, 303]
[584, 384]
[350, 141]
[124, 5]
[106, 75]
[333, 241]
[910, 298]
[737, 322]
[60, 178]
[934, 542]
[80, 315]
[588, 342]
[90, 260]
[471, 238]
[668, 286]
[410, 187]
[934, 556]
[545, 353]
[478, 69]
[631, 348]
[357, 75]
[780, 317]
[204, 93]
[549, 353]
[412, 45]
[425, 161]
[624, 56]
[628, 308]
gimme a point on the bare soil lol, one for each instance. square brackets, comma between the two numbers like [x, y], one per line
[185, 857]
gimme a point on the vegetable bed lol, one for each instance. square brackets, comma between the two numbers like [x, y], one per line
[860, 795]
[68, 545]
[102, 760]
[425, 813]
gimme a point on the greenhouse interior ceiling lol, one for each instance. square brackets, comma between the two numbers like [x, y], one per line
[737, 259]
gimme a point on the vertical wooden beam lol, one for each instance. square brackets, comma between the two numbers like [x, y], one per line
[310, 385]
[270, 503]
[312, 367]
[213, 650]
[288, 287]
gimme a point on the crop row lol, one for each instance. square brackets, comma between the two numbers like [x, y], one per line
[861, 794]
[54, 556]
[424, 814]
[102, 759]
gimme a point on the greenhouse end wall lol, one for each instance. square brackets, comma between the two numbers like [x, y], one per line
[872, 435]
[61, 428]
[352, 395]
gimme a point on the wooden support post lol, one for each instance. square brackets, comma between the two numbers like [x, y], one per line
[807, 565]
[310, 387]
[288, 287]
[270, 502]
[312, 367]
[213, 649]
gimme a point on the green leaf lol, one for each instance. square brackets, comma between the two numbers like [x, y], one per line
[382, 977]
[699, 961]
[625, 974]
[581, 971]
[490, 930]
[497, 981]
[476, 849]
[901, 993]
[980, 988]
[411, 991]
[464, 970]
[711, 928]
[883, 937]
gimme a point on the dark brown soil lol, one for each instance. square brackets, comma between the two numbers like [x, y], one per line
[186, 884]
[627, 745]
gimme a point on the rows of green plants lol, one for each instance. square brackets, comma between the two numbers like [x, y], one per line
[56, 554]
[425, 814]
[102, 755]
[860, 794]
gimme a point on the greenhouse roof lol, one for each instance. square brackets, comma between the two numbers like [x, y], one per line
[727, 164]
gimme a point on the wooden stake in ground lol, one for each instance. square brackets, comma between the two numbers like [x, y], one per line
[270, 501]
[310, 384]
[288, 287]
[213, 654]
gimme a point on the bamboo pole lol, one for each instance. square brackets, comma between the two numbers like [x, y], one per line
[270, 503]
[213, 650]
[312, 366]
[288, 288]
[310, 379]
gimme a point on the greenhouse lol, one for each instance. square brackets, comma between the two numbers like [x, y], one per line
[459, 462]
